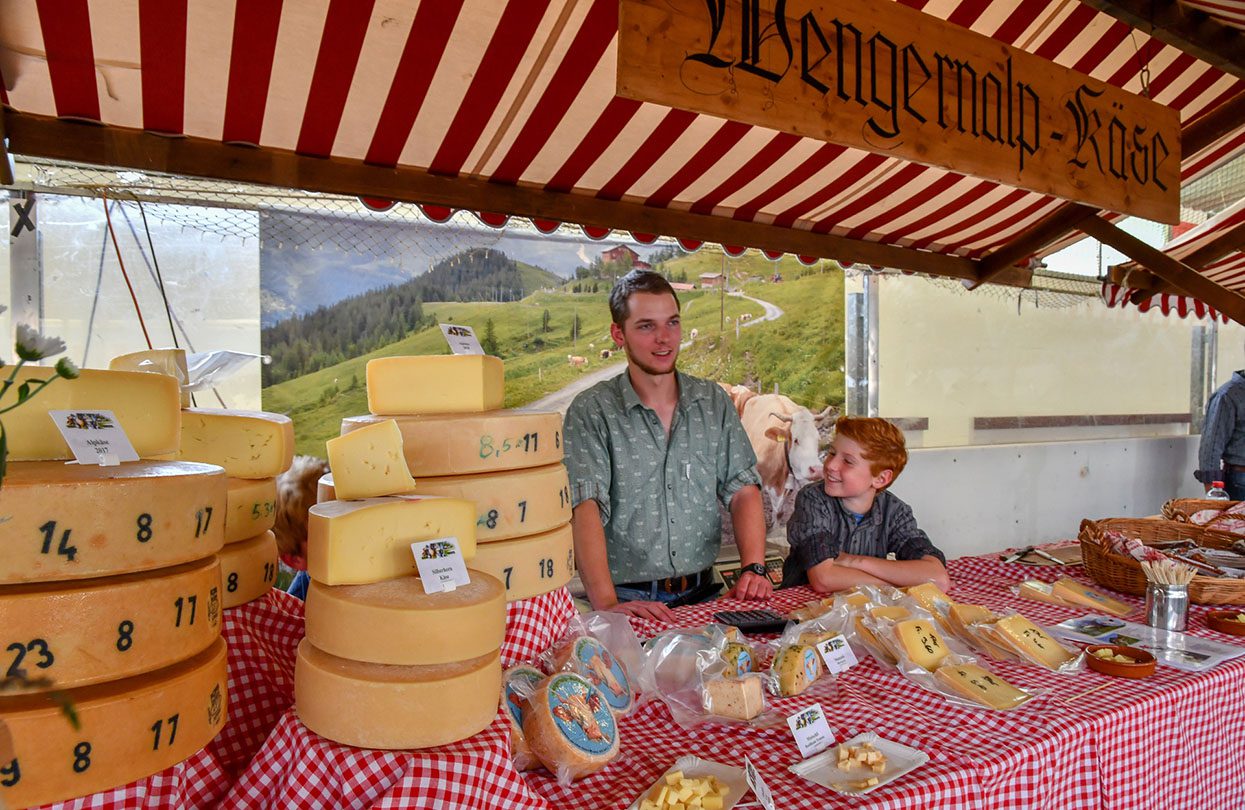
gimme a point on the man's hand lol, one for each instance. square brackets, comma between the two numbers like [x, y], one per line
[751, 586]
[644, 610]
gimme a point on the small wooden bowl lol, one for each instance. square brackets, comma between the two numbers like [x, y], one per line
[1143, 668]
[1225, 622]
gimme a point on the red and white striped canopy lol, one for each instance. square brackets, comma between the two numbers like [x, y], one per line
[521, 92]
[1228, 12]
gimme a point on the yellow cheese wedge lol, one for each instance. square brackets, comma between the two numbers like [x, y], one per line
[921, 643]
[248, 569]
[129, 729]
[739, 659]
[445, 383]
[251, 507]
[962, 616]
[1076, 593]
[738, 698]
[60, 521]
[1032, 641]
[391, 707]
[248, 444]
[932, 598]
[797, 667]
[171, 362]
[893, 612]
[1039, 592]
[395, 622]
[462, 444]
[357, 542]
[85, 632]
[529, 566]
[980, 685]
[369, 463]
[569, 726]
[147, 407]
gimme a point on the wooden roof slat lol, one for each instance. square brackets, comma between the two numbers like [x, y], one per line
[1188, 29]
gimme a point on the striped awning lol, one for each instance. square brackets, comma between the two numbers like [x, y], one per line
[1228, 12]
[1115, 295]
[1225, 266]
[519, 94]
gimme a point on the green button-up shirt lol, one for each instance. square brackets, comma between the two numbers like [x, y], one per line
[658, 498]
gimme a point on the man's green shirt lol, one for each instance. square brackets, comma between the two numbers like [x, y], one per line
[658, 499]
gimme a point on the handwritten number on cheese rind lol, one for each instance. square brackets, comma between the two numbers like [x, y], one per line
[144, 528]
[231, 584]
[522, 511]
[12, 773]
[270, 572]
[509, 570]
[203, 519]
[63, 548]
[81, 756]
[190, 602]
[125, 635]
[158, 726]
[486, 446]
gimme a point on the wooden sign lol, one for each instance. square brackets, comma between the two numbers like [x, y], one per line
[879, 76]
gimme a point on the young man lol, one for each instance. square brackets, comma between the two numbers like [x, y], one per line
[844, 527]
[650, 454]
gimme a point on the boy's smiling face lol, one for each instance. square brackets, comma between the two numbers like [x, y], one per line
[848, 475]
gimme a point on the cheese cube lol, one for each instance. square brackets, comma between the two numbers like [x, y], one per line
[673, 778]
[448, 383]
[738, 698]
[980, 685]
[797, 667]
[248, 444]
[1032, 641]
[711, 803]
[171, 362]
[921, 643]
[369, 463]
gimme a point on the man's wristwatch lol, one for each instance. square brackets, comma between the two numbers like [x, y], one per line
[755, 568]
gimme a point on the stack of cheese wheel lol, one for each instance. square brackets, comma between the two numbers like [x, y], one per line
[110, 594]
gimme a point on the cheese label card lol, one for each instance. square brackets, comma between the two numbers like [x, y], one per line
[440, 563]
[462, 339]
[759, 788]
[837, 654]
[811, 731]
[95, 437]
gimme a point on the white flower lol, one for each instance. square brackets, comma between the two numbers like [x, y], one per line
[66, 368]
[33, 346]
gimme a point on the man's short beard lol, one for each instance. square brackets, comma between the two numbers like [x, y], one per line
[647, 369]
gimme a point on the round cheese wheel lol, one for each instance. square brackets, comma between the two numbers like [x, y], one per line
[385, 706]
[590, 658]
[73, 521]
[518, 684]
[79, 633]
[128, 729]
[248, 569]
[396, 622]
[738, 658]
[569, 726]
[797, 666]
[460, 444]
[248, 444]
[529, 566]
[251, 507]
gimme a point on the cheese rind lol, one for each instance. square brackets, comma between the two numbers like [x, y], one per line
[738, 698]
[85, 632]
[251, 507]
[981, 686]
[358, 542]
[128, 729]
[592, 659]
[797, 667]
[519, 683]
[171, 362]
[529, 566]
[62, 522]
[396, 622]
[248, 444]
[146, 406]
[569, 726]
[369, 463]
[921, 643]
[248, 569]
[392, 707]
[463, 444]
[444, 383]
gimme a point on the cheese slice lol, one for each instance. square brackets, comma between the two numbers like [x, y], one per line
[737, 698]
[128, 729]
[369, 463]
[395, 622]
[797, 667]
[893, 612]
[251, 507]
[529, 566]
[462, 444]
[60, 522]
[1032, 641]
[932, 598]
[146, 406]
[394, 707]
[590, 658]
[357, 542]
[980, 685]
[445, 383]
[961, 616]
[921, 643]
[248, 444]
[1039, 592]
[1076, 593]
[171, 362]
[569, 726]
[518, 684]
[85, 632]
[248, 569]
[738, 659]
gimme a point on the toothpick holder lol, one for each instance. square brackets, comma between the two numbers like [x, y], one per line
[1167, 606]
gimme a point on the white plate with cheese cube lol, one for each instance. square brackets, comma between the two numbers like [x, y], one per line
[687, 784]
[861, 764]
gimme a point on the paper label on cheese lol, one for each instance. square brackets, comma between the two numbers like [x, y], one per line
[581, 714]
[594, 662]
[440, 563]
[811, 731]
[738, 659]
[518, 685]
[94, 437]
[837, 654]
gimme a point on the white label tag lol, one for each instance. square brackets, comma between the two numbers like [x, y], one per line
[462, 339]
[811, 731]
[95, 437]
[837, 654]
[759, 788]
[440, 563]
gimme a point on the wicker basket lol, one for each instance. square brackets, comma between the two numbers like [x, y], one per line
[1182, 509]
[1124, 574]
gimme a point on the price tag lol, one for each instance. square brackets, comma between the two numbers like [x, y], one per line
[811, 731]
[95, 437]
[462, 339]
[441, 565]
[759, 788]
[837, 654]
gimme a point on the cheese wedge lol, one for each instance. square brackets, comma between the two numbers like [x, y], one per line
[248, 569]
[1032, 642]
[171, 362]
[797, 667]
[921, 643]
[569, 726]
[519, 683]
[1039, 591]
[529, 566]
[980, 685]
[930, 596]
[738, 659]
[248, 444]
[1075, 593]
[893, 612]
[447, 383]
[590, 658]
[738, 698]
[369, 463]
[250, 507]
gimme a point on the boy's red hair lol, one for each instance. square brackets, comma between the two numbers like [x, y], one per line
[882, 442]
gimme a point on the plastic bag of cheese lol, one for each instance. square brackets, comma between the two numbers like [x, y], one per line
[517, 687]
[584, 654]
[1031, 644]
[708, 675]
[569, 727]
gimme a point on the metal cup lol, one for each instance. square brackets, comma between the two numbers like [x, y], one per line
[1167, 606]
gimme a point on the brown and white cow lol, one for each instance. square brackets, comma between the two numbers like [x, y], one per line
[576, 361]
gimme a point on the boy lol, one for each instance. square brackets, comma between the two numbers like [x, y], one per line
[843, 527]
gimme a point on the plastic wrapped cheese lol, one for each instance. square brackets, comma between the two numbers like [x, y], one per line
[590, 658]
[569, 727]
[738, 658]
[517, 685]
[796, 666]
[739, 698]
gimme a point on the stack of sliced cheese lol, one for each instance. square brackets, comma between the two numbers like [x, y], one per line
[110, 593]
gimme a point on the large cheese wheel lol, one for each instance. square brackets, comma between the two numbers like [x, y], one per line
[462, 444]
[157, 361]
[569, 726]
[444, 383]
[146, 406]
[395, 622]
[385, 706]
[518, 684]
[592, 659]
[79, 633]
[529, 566]
[248, 569]
[77, 520]
[128, 729]
[248, 444]
[251, 507]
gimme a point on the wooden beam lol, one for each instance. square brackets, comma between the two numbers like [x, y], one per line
[1227, 242]
[1176, 273]
[1188, 29]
